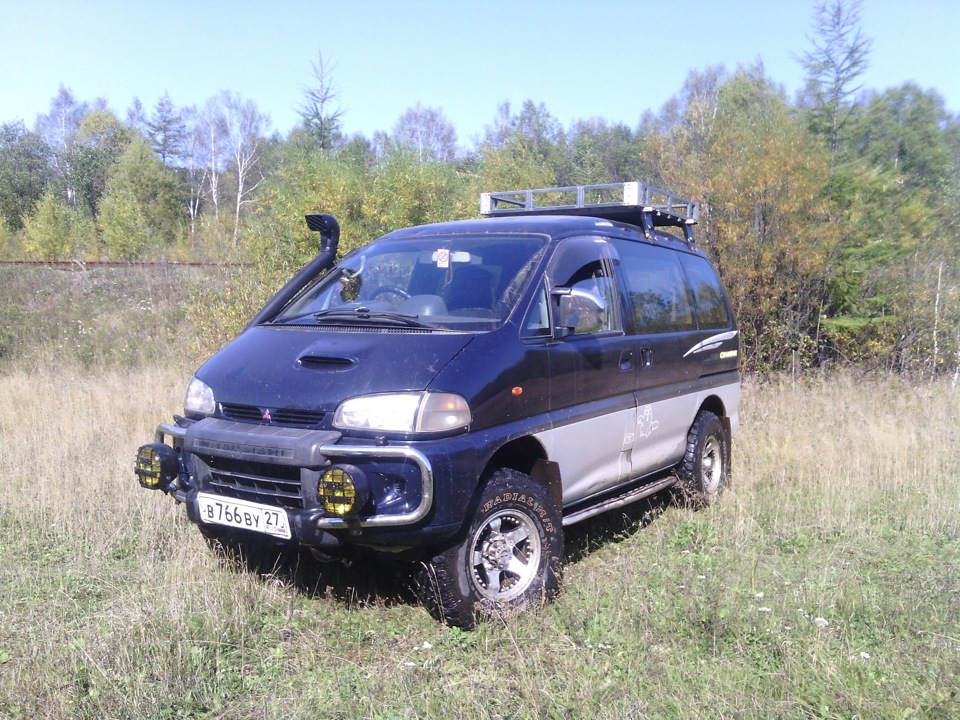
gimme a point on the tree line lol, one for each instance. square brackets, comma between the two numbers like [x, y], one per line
[833, 217]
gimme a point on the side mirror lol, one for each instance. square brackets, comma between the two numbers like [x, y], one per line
[579, 311]
[566, 312]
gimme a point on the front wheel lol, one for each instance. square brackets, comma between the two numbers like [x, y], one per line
[509, 558]
[704, 472]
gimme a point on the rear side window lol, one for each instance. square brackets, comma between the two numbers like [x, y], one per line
[712, 312]
[657, 291]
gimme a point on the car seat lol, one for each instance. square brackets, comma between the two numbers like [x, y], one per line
[471, 292]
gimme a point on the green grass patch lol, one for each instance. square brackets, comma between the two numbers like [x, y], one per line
[102, 317]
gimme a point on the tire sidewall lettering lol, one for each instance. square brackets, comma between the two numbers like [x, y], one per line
[524, 502]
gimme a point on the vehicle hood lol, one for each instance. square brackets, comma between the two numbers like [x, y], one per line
[315, 369]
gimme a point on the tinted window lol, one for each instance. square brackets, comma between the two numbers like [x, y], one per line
[707, 292]
[657, 291]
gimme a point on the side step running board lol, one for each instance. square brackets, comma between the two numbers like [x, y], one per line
[631, 496]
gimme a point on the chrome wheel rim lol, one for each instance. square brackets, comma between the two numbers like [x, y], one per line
[505, 555]
[711, 465]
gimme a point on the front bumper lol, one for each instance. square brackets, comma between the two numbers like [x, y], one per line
[213, 448]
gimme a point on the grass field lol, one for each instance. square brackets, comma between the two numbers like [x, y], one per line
[825, 584]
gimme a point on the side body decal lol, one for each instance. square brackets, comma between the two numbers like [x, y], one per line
[711, 343]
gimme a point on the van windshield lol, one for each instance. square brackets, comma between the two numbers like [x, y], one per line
[449, 282]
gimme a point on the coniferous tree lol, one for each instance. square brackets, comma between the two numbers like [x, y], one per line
[322, 116]
[167, 131]
[833, 68]
[137, 117]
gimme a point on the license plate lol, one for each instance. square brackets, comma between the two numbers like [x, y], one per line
[217, 510]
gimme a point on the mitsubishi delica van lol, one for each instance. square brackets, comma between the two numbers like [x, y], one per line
[455, 395]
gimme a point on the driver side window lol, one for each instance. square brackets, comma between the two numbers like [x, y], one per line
[584, 289]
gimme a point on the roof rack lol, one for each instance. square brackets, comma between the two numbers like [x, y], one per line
[631, 202]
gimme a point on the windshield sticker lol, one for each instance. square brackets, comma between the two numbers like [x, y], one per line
[443, 259]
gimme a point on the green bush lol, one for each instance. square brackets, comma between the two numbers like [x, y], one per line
[57, 232]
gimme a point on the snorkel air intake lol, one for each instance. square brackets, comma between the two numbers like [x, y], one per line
[328, 227]
[329, 230]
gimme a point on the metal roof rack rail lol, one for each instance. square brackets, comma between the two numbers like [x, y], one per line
[631, 202]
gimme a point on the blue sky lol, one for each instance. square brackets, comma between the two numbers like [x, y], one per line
[593, 58]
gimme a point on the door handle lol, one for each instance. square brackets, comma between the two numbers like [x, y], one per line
[626, 360]
[646, 357]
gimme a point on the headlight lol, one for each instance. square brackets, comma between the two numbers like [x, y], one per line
[199, 399]
[404, 412]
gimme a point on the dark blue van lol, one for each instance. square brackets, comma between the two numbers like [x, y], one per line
[455, 394]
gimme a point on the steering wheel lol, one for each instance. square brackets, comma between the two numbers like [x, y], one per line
[390, 289]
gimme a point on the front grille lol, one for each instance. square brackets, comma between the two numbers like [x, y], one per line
[271, 416]
[297, 418]
[277, 485]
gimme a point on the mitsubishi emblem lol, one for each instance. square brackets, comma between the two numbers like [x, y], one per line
[266, 415]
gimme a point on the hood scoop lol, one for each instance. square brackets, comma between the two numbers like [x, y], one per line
[326, 362]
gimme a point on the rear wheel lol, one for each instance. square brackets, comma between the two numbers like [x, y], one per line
[704, 472]
[508, 559]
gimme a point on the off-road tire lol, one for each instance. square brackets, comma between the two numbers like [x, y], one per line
[705, 470]
[508, 558]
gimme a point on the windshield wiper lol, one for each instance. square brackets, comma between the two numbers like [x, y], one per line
[365, 315]
[289, 320]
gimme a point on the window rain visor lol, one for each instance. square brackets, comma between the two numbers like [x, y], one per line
[450, 282]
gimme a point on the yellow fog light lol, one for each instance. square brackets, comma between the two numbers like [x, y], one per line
[343, 490]
[157, 466]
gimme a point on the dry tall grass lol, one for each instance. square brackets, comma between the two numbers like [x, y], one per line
[847, 446]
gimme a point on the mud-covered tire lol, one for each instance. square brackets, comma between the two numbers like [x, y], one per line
[705, 470]
[507, 559]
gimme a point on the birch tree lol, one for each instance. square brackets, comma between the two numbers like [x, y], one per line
[426, 134]
[58, 128]
[242, 128]
[196, 170]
